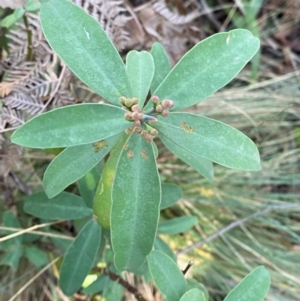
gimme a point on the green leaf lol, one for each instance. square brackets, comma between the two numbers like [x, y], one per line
[210, 139]
[80, 258]
[71, 125]
[201, 165]
[64, 206]
[12, 258]
[32, 5]
[136, 198]
[86, 49]
[193, 283]
[193, 295]
[254, 286]
[177, 225]
[140, 70]
[88, 183]
[170, 194]
[36, 256]
[12, 18]
[155, 150]
[167, 276]
[74, 162]
[207, 67]
[162, 246]
[161, 63]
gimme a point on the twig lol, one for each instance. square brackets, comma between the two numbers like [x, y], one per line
[124, 283]
[233, 225]
[189, 265]
[29, 230]
[33, 279]
[38, 233]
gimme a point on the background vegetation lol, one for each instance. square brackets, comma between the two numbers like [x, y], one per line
[245, 219]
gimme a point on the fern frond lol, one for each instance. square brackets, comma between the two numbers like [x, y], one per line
[11, 116]
[23, 101]
[174, 17]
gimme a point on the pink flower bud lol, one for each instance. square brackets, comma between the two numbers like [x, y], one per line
[136, 115]
[155, 99]
[165, 103]
[137, 123]
[137, 130]
[159, 108]
[128, 116]
[144, 133]
[149, 138]
[171, 104]
[135, 108]
[153, 132]
[152, 122]
[165, 113]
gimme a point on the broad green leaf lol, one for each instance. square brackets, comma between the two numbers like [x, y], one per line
[207, 67]
[167, 276]
[12, 18]
[113, 292]
[12, 258]
[170, 194]
[140, 70]
[71, 125]
[79, 258]
[32, 5]
[254, 286]
[210, 139]
[88, 183]
[136, 198]
[201, 165]
[74, 162]
[64, 206]
[177, 225]
[36, 256]
[10, 220]
[161, 63]
[193, 283]
[83, 45]
[162, 246]
[193, 295]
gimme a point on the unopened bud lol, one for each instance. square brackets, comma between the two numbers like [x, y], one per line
[171, 104]
[137, 130]
[165, 103]
[152, 121]
[135, 108]
[128, 102]
[144, 133]
[153, 132]
[137, 123]
[155, 99]
[136, 115]
[128, 116]
[128, 130]
[149, 138]
[165, 113]
[122, 100]
[159, 108]
[135, 100]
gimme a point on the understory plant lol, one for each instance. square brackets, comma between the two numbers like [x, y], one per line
[146, 96]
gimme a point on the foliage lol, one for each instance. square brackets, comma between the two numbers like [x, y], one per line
[136, 189]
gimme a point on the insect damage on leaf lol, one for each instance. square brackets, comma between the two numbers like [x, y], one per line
[99, 145]
[130, 154]
[188, 129]
[144, 154]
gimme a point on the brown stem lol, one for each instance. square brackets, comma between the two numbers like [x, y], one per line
[29, 39]
[191, 262]
[124, 283]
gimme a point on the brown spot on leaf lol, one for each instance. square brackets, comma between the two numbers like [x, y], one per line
[125, 145]
[99, 145]
[130, 154]
[188, 129]
[144, 154]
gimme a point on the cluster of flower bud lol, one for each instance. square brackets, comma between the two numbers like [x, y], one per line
[162, 107]
[148, 135]
[128, 102]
